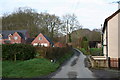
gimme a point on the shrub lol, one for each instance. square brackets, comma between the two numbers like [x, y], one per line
[53, 53]
[96, 51]
[18, 52]
[84, 51]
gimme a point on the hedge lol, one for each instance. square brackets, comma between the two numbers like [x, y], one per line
[53, 53]
[96, 51]
[18, 52]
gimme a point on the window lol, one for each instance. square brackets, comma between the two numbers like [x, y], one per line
[9, 38]
[15, 38]
[40, 38]
[35, 44]
[25, 38]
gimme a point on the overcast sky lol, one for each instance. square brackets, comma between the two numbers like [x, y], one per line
[90, 13]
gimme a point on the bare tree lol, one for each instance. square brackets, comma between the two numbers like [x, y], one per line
[70, 23]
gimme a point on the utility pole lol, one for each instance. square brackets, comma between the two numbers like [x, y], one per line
[67, 32]
[118, 4]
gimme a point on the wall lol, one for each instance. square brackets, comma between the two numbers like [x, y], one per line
[18, 38]
[113, 37]
[119, 35]
[104, 43]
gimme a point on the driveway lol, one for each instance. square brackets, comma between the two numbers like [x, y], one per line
[74, 68]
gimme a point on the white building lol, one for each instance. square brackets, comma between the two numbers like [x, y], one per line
[111, 39]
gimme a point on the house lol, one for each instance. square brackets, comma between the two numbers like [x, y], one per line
[29, 40]
[13, 36]
[111, 39]
[95, 44]
[58, 44]
[42, 40]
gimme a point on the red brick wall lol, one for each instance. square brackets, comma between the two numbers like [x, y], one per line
[44, 40]
[114, 62]
[58, 44]
[18, 40]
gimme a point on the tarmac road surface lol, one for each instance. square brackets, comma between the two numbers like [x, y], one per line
[74, 68]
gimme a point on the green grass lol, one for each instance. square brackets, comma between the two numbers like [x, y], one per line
[96, 51]
[84, 51]
[92, 51]
[27, 69]
[31, 68]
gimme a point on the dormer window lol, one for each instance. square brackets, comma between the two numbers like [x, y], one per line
[15, 37]
[40, 38]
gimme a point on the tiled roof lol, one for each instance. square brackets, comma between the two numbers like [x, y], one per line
[29, 40]
[5, 33]
[48, 39]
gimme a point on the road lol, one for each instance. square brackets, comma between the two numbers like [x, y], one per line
[74, 68]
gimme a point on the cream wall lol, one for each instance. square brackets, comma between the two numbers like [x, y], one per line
[119, 35]
[113, 37]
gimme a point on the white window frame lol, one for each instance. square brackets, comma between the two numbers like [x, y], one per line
[9, 38]
[40, 38]
[35, 44]
[15, 37]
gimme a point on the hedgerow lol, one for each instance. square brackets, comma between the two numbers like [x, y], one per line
[18, 52]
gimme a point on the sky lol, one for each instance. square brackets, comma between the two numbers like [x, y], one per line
[90, 13]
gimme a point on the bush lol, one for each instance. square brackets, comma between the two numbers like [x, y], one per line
[53, 53]
[96, 51]
[18, 52]
[84, 51]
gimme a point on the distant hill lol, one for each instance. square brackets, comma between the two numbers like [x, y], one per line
[91, 35]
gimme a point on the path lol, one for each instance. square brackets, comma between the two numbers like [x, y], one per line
[74, 68]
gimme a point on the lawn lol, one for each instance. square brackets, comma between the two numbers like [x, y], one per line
[28, 69]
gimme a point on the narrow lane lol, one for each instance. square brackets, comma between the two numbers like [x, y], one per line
[74, 68]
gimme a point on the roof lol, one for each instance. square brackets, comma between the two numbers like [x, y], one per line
[5, 33]
[29, 40]
[48, 39]
[110, 17]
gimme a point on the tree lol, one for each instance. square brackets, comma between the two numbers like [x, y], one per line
[35, 23]
[53, 23]
[23, 18]
[84, 43]
[70, 23]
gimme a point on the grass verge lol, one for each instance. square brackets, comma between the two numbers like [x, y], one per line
[28, 69]
[31, 68]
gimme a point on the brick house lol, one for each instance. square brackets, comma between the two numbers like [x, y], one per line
[58, 44]
[13, 36]
[42, 40]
